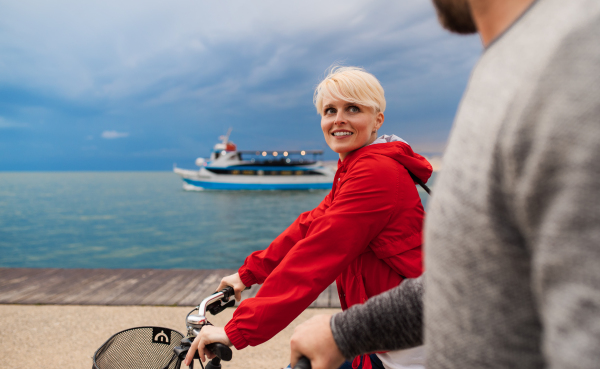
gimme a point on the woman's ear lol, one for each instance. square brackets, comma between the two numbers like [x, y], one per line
[379, 118]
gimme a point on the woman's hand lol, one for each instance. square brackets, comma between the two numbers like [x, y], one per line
[235, 282]
[208, 334]
[314, 339]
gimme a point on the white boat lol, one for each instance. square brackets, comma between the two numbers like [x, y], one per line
[230, 169]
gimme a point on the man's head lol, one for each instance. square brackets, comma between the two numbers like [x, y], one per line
[455, 16]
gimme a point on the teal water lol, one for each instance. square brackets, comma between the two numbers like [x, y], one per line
[137, 220]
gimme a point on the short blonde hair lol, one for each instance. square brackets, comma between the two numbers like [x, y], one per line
[350, 84]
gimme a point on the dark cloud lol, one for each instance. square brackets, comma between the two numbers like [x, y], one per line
[175, 76]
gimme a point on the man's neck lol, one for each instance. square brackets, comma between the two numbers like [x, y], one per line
[493, 17]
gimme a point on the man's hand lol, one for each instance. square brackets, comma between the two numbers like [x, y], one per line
[235, 282]
[314, 340]
[208, 334]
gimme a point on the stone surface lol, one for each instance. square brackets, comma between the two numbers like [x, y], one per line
[66, 336]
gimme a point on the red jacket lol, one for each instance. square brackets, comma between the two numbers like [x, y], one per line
[365, 235]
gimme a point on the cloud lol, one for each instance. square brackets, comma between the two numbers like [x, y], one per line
[112, 50]
[8, 124]
[179, 74]
[114, 134]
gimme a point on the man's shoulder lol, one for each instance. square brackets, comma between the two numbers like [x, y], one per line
[537, 39]
[550, 54]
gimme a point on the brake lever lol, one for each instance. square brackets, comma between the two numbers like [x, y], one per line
[216, 307]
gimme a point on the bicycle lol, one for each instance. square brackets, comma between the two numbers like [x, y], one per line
[164, 348]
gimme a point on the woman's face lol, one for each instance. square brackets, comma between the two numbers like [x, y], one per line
[348, 126]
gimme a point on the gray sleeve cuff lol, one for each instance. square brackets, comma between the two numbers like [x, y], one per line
[340, 337]
[392, 320]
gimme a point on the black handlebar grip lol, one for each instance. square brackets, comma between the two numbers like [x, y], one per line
[222, 351]
[303, 363]
[228, 292]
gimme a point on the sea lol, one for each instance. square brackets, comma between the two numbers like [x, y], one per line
[137, 220]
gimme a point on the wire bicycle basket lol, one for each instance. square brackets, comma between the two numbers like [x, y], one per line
[164, 348]
[140, 348]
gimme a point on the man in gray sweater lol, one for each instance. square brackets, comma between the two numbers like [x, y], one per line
[512, 237]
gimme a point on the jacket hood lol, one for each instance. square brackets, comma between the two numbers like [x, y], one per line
[396, 148]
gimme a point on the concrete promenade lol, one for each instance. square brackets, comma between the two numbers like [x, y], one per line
[57, 318]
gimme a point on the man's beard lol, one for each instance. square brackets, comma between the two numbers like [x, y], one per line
[455, 16]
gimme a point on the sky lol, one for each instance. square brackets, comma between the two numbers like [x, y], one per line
[141, 85]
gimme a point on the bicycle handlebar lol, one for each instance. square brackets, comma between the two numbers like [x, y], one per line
[214, 303]
[214, 299]
[303, 363]
[222, 351]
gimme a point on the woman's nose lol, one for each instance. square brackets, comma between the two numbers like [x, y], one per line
[339, 118]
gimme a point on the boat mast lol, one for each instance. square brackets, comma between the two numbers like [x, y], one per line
[226, 137]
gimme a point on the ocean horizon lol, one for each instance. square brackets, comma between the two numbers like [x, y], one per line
[127, 219]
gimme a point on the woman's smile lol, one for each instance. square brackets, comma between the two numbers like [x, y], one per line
[341, 134]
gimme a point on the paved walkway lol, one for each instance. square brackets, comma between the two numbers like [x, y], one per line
[66, 336]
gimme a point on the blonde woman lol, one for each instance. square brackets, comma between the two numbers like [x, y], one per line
[365, 234]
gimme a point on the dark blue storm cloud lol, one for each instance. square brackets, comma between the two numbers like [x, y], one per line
[111, 85]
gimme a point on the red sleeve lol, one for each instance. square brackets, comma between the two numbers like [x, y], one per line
[260, 264]
[361, 208]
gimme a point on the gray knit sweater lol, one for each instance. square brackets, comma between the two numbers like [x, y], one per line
[512, 239]
[390, 321]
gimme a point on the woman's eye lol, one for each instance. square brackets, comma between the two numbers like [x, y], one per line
[353, 109]
[330, 111]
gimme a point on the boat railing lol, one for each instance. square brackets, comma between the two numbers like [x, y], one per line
[298, 156]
